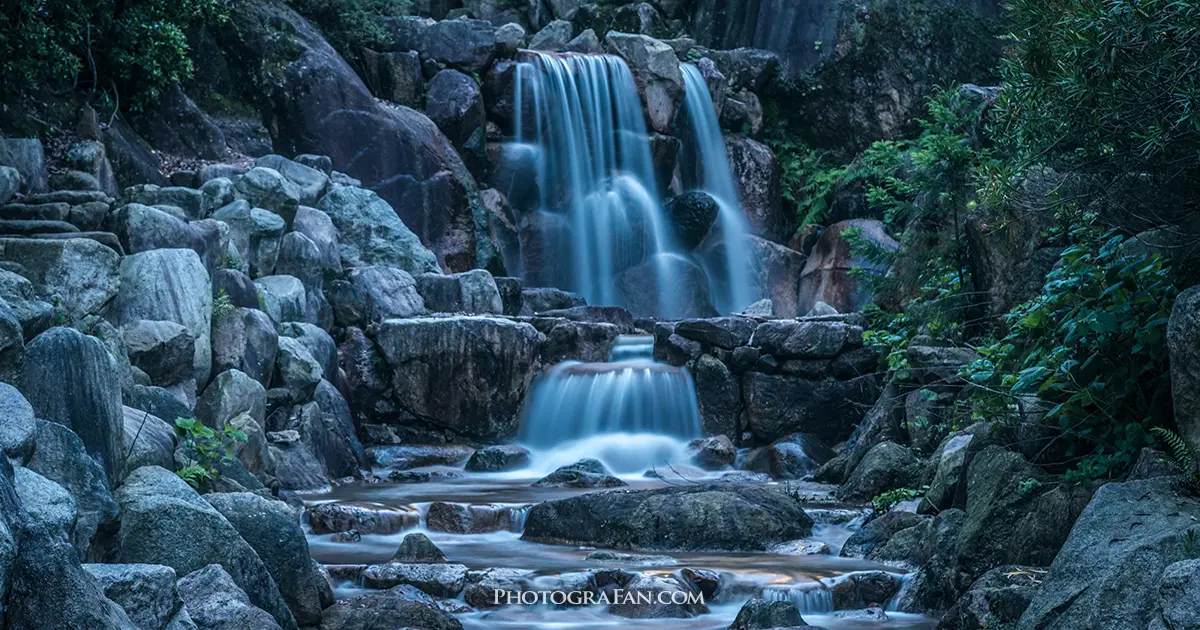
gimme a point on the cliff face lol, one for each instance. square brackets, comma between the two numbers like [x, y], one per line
[789, 29]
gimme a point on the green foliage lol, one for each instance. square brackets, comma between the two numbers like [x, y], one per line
[206, 448]
[350, 25]
[1106, 86]
[1183, 458]
[222, 305]
[887, 500]
[136, 47]
[1091, 347]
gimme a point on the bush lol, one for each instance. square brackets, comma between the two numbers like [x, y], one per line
[206, 449]
[137, 47]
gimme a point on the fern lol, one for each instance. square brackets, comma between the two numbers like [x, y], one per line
[1182, 456]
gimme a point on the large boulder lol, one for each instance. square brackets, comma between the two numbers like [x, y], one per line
[169, 285]
[50, 590]
[28, 157]
[146, 592]
[18, 428]
[1107, 573]
[375, 293]
[472, 291]
[777, 405]
[88, 399]
[831, 274]
[691, 214]
[685, 294]
[735, 518]
[141, 228]
[467, 374]
[1183, 342]
[656, 73]
[60, 456]
[48, 504]
[315, 103]
[369, 232]
[161, 349]
[760, 614]
[885, 467]
[995, 600]
[149, 440]
[164, 521]
[254, 233]
[273, 530]
[394, 608]
[83, 274]
[245, 340]
[455, 103]
[215, 602]
[310, 183]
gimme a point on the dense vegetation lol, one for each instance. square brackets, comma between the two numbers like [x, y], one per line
[125, 50]
[1105, 93]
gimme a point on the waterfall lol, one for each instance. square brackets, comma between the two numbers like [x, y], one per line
[594, 166]
[810, 597]
[631, 414]
[716, 178]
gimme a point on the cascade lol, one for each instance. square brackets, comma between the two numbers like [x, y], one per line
[730, 283]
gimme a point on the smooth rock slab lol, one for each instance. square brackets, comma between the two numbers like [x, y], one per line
[745, 518]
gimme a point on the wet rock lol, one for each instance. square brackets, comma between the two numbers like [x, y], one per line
[784, 459]
[395, 608]
[791, 339]
[455, 103]
[404, 457]
[146, 592]
[543, 299]
[585, 473]
[669, 599]
[438, 580]
[377, 292]
[164, 521]
[457, 518]
[575, 341]
[801, 548]
[630, 559]
[468, 45]
[876, 533]
[693, 517]
[777, 405]
[713, 453]
[476, 370]
[215, 602]
[498, 458]
[687, 297]
[554, 37]
[363, 517]
[418, 549]
[656, 73]
[490, 588]
[756, 172]
[722, 332]
[759, 614]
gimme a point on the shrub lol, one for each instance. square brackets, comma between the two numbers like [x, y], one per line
[207, 449]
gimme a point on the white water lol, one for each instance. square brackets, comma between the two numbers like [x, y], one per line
[732, 289]
[595, 168]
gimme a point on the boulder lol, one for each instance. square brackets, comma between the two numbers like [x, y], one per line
[215, 602]
[455, 104]
[146, 592]
[300, 257]
[492, 586]
[829, 274]
[996, 600]
[719, 397]
[297, 370]
[369, 232]
[245, 340]
[148, 440]
[91, 404]
[1108, 571]
[499, 458]
[667, 598]
[760, 614]
[273, 530]
[568, 340]
[468, 374]
[543, 299]
[394, 608]
[267, 188]
[885, 467]
[438, 580]
[311, 183]
[722, 332]
[585, 473]
[48, 504]
[586, 43]
[161, 349]
[735, 518]
[330, 435]
[169, 285]
[164, 521]
[876, 533]
[757, 173]
[468, 292]
[28, 158]
[49, 590]
[255, 234]
[691, 214]
[553, 37]
[292, 463]
[18, 427]
[142, 228]
[793, 339]
[656, 73]
[82, 273]
[712, 453]
[418, 549]
[10, 183]
[283, 298]
[231, 393]
[686, 295]
[319, 229]
[33, 314]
